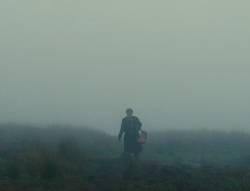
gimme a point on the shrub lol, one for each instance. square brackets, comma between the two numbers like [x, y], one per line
[244, 184]
[67, 149]
[69, 152]
[12, 169]
[178, 160]
[171, 150]
[42, 160]
[246, 158]
[202, 160]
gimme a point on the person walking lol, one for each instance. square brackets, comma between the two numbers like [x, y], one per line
[131, 126]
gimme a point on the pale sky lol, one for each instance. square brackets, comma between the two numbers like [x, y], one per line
[176, 63]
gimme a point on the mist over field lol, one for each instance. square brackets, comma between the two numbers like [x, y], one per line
[177, 64]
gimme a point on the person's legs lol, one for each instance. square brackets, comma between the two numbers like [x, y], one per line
[126, 155]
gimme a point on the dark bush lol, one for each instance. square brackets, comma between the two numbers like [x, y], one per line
[67, 149]
[42, 160]
[12, 169]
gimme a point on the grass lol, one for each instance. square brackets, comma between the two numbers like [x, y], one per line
[78, 158]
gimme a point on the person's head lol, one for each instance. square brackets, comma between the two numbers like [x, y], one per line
[129, 112]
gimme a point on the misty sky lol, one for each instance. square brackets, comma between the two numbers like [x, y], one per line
[177, 64]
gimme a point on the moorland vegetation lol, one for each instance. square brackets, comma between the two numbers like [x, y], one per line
[64, 157]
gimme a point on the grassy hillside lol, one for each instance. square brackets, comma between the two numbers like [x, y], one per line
[77, 158]
[199, 146]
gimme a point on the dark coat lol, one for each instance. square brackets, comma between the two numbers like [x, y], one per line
[131, 127]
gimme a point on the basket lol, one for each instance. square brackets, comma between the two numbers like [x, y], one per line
[142, 139]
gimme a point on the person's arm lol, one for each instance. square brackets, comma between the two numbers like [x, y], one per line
[121, 130]
[138, 125]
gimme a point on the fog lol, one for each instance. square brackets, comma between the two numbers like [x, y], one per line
[177, 64]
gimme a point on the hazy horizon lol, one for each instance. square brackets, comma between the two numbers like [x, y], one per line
[177, 64]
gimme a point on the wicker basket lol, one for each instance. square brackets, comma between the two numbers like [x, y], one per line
[142, 139]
